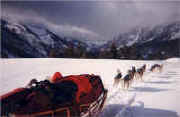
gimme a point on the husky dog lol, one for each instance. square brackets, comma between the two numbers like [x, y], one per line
[128, 79]
[117, 78]
[156, 67]
[144, 68]
[139, 74]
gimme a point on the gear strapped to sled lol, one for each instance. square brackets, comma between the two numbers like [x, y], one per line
[74, 95]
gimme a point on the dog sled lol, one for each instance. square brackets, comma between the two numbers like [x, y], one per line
[71, 96]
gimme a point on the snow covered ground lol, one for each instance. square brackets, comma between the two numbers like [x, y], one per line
[157, 96]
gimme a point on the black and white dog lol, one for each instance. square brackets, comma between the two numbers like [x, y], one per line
[117, 78]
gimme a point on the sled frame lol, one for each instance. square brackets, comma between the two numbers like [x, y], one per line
[93, 109]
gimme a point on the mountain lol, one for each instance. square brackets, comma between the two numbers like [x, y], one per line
[32, 40]
[162, 41]
[29, 40]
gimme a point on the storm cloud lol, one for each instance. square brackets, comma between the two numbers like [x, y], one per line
[104, 19]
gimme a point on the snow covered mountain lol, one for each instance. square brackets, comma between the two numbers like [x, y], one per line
[148, 43]
[142, 35]
[32, 40]
[20, 39]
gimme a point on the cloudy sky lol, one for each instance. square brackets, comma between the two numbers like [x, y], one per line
[102, 19]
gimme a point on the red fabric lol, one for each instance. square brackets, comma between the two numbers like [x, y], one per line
[56, 77]
[11, 93]
[84, 86]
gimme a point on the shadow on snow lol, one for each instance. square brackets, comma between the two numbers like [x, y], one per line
[159, 82]
[147, 89]
[112, 110]
[152, 112]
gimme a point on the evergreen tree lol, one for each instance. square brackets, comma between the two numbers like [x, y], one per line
[114, 50]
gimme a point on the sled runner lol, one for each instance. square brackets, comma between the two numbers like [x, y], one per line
[70, 96]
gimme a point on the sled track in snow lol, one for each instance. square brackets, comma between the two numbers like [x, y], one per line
[124, 106]
[121, 112]
[113, 95]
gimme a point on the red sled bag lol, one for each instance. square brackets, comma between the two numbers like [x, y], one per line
[69, 96]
